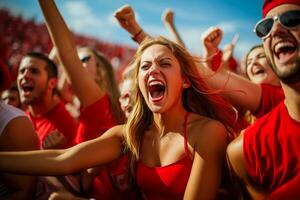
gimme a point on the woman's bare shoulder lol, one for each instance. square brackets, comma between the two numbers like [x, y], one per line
[116, 131]
[207, 133]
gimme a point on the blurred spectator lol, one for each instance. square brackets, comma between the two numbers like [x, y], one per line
[11, 97]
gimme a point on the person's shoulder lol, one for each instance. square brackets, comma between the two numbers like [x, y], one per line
[117, 130]
[235, 156]
[7, 115]
[205, 125]
[10, 110]
[208, 133]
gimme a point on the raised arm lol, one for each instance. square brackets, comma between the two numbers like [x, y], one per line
[62, 162]
[83, 84]
[228, 61]
[211, 39]
[168, 19]
[126, 18]
[241, 92]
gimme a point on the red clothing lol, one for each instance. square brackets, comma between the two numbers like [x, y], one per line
[165, 182]
[56, 119]
[217, 60]
[271, 96]
[271, 153]
[95, 119]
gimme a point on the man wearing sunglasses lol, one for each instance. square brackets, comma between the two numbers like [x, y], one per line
[266, 155]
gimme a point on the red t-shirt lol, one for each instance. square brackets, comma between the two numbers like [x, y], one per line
[271, 96]
[56, 119]
[272, 153]
[94, 120]
[217, 60]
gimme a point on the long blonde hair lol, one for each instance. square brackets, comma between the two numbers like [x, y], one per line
[198, 98]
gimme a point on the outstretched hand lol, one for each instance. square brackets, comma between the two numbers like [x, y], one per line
[126, 18]
[211, 40]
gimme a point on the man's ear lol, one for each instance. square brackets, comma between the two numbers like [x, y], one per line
[52, 83]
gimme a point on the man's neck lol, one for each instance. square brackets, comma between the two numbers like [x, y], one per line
[43, 107]
[292, 100]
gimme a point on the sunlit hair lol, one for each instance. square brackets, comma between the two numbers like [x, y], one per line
[198, 98]
[107, 82]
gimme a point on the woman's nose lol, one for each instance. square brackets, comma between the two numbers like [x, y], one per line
[154, 69]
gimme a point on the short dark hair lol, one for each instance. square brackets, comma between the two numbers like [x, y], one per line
[50, 65]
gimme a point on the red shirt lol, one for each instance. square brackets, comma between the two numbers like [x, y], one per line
[217, 60]
[272, 153]
[271, 96]
[95, 119]
[56, 119]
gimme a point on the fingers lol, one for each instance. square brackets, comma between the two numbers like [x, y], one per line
[211, 40]
[212, 35]
[126, 18]
[63, 195]
[53, 140]
[124, 14]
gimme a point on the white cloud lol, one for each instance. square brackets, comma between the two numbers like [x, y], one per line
[191, 37]
[155, 30]
[194, 17]
[149, 6]
[242, 48]
[80, 16]
[228, 27]
[114, 22]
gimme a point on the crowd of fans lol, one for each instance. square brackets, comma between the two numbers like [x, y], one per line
[172, 126]
[20, 35]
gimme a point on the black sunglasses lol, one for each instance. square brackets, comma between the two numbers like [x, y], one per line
[289, 20]
[85, 59]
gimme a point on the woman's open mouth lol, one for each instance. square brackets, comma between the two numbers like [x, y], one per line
[156, 90]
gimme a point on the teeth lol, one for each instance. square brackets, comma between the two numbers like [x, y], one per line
[155, 83]
[27, 85]
[279, 45]
[257, 69]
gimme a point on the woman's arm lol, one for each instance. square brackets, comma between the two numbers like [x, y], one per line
[67, 53]
[168, 19]
[209, 154]
[241, 92]
[62, 162]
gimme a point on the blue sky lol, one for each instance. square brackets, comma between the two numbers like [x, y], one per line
[192, 17]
